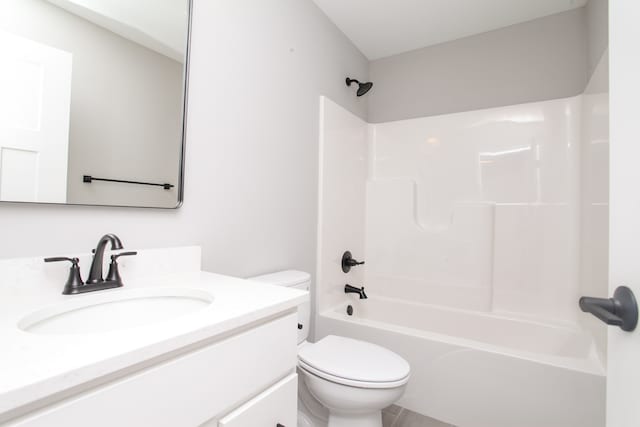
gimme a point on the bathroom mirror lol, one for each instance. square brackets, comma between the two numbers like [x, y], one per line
[92, 103]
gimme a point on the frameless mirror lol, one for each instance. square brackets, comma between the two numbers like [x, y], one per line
[92, 101]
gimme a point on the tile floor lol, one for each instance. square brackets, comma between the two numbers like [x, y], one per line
[396, 416]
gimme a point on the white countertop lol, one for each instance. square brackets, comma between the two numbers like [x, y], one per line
[34, 366]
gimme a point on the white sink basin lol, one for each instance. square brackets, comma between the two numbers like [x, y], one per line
[104, 311]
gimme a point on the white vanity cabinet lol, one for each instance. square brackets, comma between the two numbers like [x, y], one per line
[245, 378]
[274, 407]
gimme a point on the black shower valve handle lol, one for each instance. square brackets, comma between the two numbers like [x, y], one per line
[348, 262]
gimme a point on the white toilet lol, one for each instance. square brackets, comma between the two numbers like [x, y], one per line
[353, 380]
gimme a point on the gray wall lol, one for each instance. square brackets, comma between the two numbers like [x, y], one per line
[597, 22]
[257, 71]
[126, 103]
[538, 60]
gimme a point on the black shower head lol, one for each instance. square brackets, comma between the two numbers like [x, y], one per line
[362, 87]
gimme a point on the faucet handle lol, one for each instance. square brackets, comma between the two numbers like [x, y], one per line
[114, 257]
[73, 261]
[114, 274]
[74, 281]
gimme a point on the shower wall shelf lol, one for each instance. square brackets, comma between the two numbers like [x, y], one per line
[89, 179]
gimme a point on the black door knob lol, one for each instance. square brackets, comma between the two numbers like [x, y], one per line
[621, 310]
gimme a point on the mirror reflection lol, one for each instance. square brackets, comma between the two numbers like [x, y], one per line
[92, 101]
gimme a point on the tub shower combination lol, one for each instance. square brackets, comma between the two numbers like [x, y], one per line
[472, 227]
[483, 370]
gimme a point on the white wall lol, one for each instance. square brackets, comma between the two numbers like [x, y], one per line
[257, 71]
[597, 22]
[160, 25]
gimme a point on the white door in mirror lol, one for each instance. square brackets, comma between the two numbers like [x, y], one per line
[35, 83]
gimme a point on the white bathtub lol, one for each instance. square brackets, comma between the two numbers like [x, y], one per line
[475, 369]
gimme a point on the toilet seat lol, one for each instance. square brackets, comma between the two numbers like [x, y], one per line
[352, 383]
[354, 363]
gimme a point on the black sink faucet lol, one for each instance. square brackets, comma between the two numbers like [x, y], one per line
[348, 289]
[95, 282]
[95, 273]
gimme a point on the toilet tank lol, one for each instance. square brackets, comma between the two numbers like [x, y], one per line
[297, 280]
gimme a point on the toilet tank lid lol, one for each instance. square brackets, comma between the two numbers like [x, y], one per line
[283, 278]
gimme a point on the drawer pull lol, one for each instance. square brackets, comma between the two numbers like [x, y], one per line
[279, 425]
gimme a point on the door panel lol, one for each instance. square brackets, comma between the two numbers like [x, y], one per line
[18, 174]
[623, 367]
[35, 83]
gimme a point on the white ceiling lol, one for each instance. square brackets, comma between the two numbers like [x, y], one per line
[160, 25]
[381, 28]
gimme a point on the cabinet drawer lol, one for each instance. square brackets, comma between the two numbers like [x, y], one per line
[276, 406]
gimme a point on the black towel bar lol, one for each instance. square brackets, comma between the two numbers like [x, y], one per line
[88, 179]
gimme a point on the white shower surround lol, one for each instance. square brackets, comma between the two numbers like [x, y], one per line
[478, 210]
[470, 224]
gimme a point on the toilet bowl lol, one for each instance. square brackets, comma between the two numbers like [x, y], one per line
[353, 379]
[345, 382]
